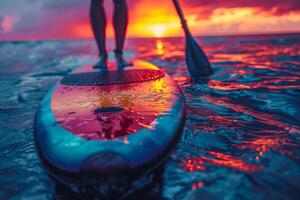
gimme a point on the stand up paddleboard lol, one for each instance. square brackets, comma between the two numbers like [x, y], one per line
[108, 122]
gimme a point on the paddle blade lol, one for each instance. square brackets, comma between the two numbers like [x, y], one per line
[196, 60]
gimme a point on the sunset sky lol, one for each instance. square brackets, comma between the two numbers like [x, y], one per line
[69, 19]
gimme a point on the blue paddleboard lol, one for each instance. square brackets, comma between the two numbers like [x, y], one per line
[109, 122]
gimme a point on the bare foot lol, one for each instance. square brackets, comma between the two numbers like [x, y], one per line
[121, 62]
[101, 64]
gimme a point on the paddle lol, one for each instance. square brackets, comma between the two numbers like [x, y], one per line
[196, 60]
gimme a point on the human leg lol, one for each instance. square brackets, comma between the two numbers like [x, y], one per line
[98, 22]
[120, 23]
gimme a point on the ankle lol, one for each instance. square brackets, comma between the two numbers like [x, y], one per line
[104, 56]
[118, 53]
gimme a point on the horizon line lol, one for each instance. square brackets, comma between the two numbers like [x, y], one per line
[167, 37]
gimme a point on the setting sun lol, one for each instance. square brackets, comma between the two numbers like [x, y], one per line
[159, 30]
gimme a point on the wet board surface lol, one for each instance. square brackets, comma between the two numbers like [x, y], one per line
[105, 122]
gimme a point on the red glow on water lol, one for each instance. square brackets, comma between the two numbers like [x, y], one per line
[214, 119]
[230, 161]
[197, 185]
[193, 165]
[266, 144]
[200, 163]
[263, 117]
[268, 84]
[266, 140]
[263, 144]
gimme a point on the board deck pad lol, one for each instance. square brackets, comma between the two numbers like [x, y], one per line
[113, 77]
[135, 114]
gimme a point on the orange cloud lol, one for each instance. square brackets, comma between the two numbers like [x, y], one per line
[162, 20]
[247, 20]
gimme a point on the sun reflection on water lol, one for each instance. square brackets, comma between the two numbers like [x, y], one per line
[159, 47]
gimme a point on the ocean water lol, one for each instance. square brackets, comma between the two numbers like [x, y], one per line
[241, 139]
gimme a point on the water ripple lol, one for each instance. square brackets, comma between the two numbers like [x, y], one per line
[241, 139]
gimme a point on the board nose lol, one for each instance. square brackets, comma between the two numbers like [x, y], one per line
[105, 163]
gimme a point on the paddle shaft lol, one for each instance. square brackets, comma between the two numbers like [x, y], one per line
[181, 16]
[197, 63]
